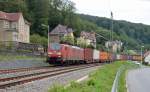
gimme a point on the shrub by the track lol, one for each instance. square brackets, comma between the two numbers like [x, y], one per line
[99, 81]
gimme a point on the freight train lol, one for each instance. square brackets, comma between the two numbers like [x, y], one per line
[67, 54]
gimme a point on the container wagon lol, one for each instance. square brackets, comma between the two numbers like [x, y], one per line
[136, 58]
[118, 57]
[104, 56]
[113, 57]
[88, 55]
[130, 57]
[123, 57]
[96, 55]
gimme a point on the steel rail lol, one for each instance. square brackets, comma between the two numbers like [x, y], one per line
[29, 78]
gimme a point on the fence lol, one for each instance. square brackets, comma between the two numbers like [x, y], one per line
[11, 47]
[116, 81]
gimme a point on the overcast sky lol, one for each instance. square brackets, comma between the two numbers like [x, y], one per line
[137, 11]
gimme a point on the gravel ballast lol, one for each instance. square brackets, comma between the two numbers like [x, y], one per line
[22, 64]
[44, 84]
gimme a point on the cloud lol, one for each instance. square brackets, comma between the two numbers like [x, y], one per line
[145, 0]
[131, 10]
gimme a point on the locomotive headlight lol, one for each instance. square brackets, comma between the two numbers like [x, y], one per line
[49, 53]
[59, 53]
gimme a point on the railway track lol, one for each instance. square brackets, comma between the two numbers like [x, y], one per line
[18, 80]
[7, 71]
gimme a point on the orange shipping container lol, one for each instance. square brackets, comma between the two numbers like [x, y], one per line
[136, 58]
[104, 56]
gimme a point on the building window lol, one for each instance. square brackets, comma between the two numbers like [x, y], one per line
[15, 36]
[6, 24]
[14, 25]
[1, 24]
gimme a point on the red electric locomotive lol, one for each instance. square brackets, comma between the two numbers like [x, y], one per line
[64, 54]
[54, 53]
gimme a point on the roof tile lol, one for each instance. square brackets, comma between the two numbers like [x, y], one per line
[10, 16]
[60, 29]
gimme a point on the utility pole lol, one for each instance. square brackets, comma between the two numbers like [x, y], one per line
[112, 26]
[48, 36]
[47, 32]
[142, 54]
[111, 34]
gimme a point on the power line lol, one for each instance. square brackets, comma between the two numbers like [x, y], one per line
[101, 36]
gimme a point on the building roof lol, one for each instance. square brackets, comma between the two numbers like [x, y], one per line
[10, 16]
[88, 35]
[147, 53]
[13, 17]
[61, 30]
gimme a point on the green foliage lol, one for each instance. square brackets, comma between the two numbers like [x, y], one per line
[91, 82]
[132, 34]
[38, 40]
[68, 39]
[91, 46]
[81, 43]
[39, 11]
[54, 12]
[100, 80]
[61, 12]
[14, 6]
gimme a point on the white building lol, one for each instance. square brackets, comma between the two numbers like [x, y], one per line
[114, 46]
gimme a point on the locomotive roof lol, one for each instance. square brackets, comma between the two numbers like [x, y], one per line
[72, 46]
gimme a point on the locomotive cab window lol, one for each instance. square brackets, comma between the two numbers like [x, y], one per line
[65, 48]
[55, 46]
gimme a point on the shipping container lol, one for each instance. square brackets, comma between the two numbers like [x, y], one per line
[124, 57]
[129, 57]
[113, 57]
[118, 57]
[104, 56]
[88, 55]
[136, 57]
[96, 55]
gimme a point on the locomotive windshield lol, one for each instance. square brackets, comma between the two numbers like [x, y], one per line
[55, 46]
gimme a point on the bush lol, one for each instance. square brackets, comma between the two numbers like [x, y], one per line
[68, 39]
[37, 39]
[91, 82]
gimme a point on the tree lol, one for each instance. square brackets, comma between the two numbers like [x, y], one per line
[61, 12]
[54, 12]
[37, 39]
[40, 14]
[82, 43]
[68, 39]
[14, 6]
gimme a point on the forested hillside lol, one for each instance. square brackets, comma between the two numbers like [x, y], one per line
[133, 34]
[54, 12]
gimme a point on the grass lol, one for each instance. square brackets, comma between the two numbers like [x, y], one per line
[99, 81]
[19, 57]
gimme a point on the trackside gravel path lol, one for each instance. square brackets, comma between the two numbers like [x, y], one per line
[43, 84]
[139, 80]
